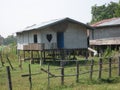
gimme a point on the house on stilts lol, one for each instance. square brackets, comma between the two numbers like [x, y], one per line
[106, 34]
[58, 38]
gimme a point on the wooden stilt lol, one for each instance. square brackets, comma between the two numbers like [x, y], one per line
[86, 56]
[20, 62]
[44, 59]
[53, 55]
[38, 54]
[74, 55]
[32, 61]
[18, 54]
[24, 55]
[41, 58]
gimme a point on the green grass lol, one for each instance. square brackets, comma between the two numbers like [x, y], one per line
[40, 81]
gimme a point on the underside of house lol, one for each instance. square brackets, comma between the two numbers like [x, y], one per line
[103, 44]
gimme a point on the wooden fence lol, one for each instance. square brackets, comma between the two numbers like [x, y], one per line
[109, 63]
[78, 73]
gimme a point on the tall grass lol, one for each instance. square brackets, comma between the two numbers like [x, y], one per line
[40, 81]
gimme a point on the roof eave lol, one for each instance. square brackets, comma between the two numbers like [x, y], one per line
[106, 26]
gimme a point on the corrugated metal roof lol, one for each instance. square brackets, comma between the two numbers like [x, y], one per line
[35, 26]
[107, 22]
[52, 22]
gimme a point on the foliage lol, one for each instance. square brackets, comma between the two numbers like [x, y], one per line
[1, 40]
[107, 52]
[10, 40]
[40, 81]
[105, 11]
[117, 11]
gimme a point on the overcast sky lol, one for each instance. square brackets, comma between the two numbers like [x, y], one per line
[18, 14]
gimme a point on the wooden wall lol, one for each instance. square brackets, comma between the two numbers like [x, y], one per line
[105, 32]
[75, 36]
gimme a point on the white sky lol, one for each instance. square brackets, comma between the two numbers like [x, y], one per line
[18, 14]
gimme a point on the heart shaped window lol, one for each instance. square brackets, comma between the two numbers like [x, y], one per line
[49, 37]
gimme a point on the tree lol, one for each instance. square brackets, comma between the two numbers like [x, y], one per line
[117, 11]
[10, 40]
[1, 40]
[105, 11]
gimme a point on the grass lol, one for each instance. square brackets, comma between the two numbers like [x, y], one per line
[40, 81]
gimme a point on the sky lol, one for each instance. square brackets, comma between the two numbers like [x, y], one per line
[15, 15]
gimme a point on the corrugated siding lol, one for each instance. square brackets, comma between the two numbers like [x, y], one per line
[106, 32]
[27, 37]
[75, 37]
[48, 45]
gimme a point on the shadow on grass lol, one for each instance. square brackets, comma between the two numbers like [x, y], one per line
[101, 81]
[67, 63]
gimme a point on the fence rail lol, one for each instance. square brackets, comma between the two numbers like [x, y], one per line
[100, 69]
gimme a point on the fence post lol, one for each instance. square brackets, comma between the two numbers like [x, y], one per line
[91, 69]
[110, 69]
[20, 62]
[100, 68]
[30, 79]
[9, 62]
[77, 70]
[62, 73]
[48, 75]
[41, 58]
[9, 78]
[1, 60]
[119, 67]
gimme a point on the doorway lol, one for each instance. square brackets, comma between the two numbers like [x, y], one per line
[60, 39]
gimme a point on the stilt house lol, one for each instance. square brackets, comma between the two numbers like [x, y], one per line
[59, 34]
[106, 33]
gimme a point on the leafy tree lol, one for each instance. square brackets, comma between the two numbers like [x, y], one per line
[105, 11]
[1, 40]
[10, 40]
[117, 11]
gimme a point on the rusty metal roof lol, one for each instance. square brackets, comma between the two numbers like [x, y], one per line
[107, 22]
[53, 22]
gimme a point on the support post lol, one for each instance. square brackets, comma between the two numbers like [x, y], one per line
[9, 62]
[91, 69]
[30, 79]
[1, 60]
[74, 55]
[24, 55]
[9, 78]
[86, 56]
[48, 75]
[119, 67]
[31, 60]
[20, 62]
[62, 73]
[110, 69]
[41, 58]
[77, 70]
[44, 59]
[100, 68]
[38, 57]
[53, 55]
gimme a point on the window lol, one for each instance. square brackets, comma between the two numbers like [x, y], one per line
[35, 38]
